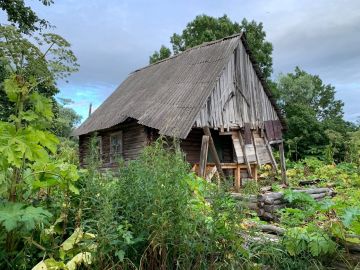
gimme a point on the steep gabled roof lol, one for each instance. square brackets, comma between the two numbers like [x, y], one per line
[166, 95]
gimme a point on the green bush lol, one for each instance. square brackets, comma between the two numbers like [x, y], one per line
[152, 213]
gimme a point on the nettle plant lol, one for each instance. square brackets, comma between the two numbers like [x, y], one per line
[27, 170]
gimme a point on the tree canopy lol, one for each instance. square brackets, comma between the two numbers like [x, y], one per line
[314, 115]
[206, 28]
[44, 61]
[163, 53]
[23, 16]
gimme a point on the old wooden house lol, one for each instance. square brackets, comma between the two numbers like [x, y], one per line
[212, 97]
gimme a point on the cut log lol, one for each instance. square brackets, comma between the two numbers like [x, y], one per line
[260, 212]
[318, 196]
[271, 229]
[267, 215]
[309, 182]
[314, 190]
[252, 206]
[273, 208]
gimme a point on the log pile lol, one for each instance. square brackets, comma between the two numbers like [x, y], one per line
[267, 204]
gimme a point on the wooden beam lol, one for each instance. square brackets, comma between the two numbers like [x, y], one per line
[254, 172]
[237, 178]
[256, 153]
[282, 163]
[244, 154]
[268, 147]
[203, 155]
[214, 153]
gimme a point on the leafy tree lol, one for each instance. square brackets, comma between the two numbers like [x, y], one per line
[206, 28]
[65, 118]
[314, 116]
[23, 16]
[20, 56]
[203, 29]
[157, 56]
[26, 146]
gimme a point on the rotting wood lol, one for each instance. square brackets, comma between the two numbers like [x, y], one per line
[244, 153]
[204, 155]
[214, 153]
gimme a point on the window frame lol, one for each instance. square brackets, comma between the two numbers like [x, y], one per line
[115, 156]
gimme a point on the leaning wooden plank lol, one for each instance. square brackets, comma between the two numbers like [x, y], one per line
[214, 153]
[237, 148]
[204, 155]
[282, 163]
[256, 152]
[244, 152]
[268, 148]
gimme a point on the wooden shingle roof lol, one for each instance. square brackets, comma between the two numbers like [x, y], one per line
[166, 95]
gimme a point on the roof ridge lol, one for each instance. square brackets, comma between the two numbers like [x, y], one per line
[204, 44]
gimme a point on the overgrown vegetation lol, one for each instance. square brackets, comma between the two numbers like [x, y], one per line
[317, 233]
[152, 213]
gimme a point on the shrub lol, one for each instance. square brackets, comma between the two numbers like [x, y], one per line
[154, 214]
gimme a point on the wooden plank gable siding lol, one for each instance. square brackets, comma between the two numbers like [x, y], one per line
[134, 139]
[238, 97]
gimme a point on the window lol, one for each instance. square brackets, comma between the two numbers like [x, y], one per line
[99, 147]
[115, 146]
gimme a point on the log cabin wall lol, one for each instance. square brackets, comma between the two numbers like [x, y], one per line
[134, 139]
[191, 146]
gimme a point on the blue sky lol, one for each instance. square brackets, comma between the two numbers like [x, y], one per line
[112, 38]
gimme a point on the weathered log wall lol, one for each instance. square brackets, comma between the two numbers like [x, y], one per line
[134, 140]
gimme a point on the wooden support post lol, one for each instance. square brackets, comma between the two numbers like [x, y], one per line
[256, 153]
[268, 147]
[203, 155]
[237, 178]
[254, 172]
[214, 153]
[244, 154]
[282, 163]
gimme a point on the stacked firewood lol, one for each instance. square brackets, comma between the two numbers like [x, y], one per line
[267, 204]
